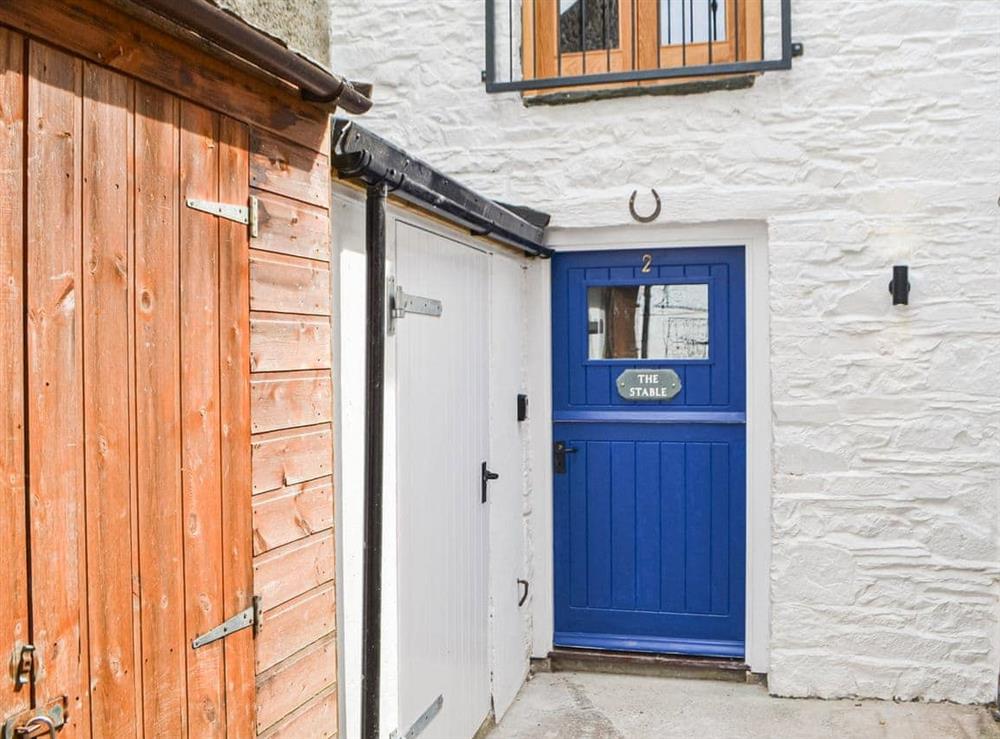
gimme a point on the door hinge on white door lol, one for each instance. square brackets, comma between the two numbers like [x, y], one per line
[248, 617]
[421, 723]
[401, 303]
[245, 214]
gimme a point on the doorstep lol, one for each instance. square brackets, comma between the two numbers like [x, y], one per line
[652, 665]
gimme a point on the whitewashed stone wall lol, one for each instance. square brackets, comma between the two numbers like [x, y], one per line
[881, 146]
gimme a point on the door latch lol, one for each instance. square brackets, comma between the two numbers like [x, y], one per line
[487, 477]
[559, 452]
[24, 666]
[36, 723]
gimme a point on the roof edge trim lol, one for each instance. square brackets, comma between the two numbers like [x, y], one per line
[359, 154]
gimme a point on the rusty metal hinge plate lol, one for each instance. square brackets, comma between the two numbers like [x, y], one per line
[245, 619]
[36, 722]
[245, 214]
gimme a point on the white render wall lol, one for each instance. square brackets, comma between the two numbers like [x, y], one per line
[881, 146]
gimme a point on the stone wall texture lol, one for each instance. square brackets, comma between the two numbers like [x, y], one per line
[881, 146]
[301, 25]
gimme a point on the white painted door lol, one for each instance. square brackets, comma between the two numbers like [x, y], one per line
[442, 396]
[508, 349]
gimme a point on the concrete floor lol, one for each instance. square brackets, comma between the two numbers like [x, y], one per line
[576, 705]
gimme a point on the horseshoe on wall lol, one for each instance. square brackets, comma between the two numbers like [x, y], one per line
[652, 216]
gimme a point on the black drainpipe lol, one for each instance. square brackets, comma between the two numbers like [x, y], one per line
[371, 655]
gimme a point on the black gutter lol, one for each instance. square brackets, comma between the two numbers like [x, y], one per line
[234, 35]
[362, 155]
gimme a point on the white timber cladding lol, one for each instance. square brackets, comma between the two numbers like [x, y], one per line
[877, 148]
[442, 438]
[510, 328]
[451, 621]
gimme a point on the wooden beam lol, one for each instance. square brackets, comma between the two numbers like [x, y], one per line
[13, 550]
[107, 236]
[234, 401]
[55, 382]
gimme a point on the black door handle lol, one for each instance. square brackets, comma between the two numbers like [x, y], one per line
[559, 452]
[487, 477]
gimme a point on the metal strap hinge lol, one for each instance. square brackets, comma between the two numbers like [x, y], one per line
[246, 618]
[245, 214]
[421, 723]
[401, 303]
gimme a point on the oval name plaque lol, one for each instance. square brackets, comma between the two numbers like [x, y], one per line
[648, 385]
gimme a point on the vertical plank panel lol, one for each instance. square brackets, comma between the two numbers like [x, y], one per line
[673, 481]
[577, 391]
[720, 527]
[751, 41]
[698, 516]
[55, 392]
[697, 384]
[599, 547]
[106, 114]
[137, 660]
[647, 528]
[623, 524]
[14, 613]
[234, 347]
[546, 34]
[200, 423]
[647, 36]
[158, 460]
[599, 381]
[719, 327]
[577, 517]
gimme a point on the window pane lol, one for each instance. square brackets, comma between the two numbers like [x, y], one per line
[692, 21]
[648, 322]
[600, 24]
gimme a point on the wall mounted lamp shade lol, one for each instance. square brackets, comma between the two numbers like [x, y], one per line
[900, 285]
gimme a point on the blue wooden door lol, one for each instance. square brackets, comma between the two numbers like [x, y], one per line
[650, 490]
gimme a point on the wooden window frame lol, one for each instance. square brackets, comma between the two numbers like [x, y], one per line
[637, 47]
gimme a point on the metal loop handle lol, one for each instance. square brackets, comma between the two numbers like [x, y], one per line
[40, 720]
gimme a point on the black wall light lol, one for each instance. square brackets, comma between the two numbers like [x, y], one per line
[900, 285]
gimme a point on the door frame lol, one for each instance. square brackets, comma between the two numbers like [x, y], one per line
[348, 336]
[753, 236]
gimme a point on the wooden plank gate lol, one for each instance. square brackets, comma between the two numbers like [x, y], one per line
[165, 433]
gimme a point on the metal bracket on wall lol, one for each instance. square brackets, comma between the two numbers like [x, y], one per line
[401, 303]
[421, 723]
[245, 214]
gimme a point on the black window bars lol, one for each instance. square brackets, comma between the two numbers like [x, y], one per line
[688, 36]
